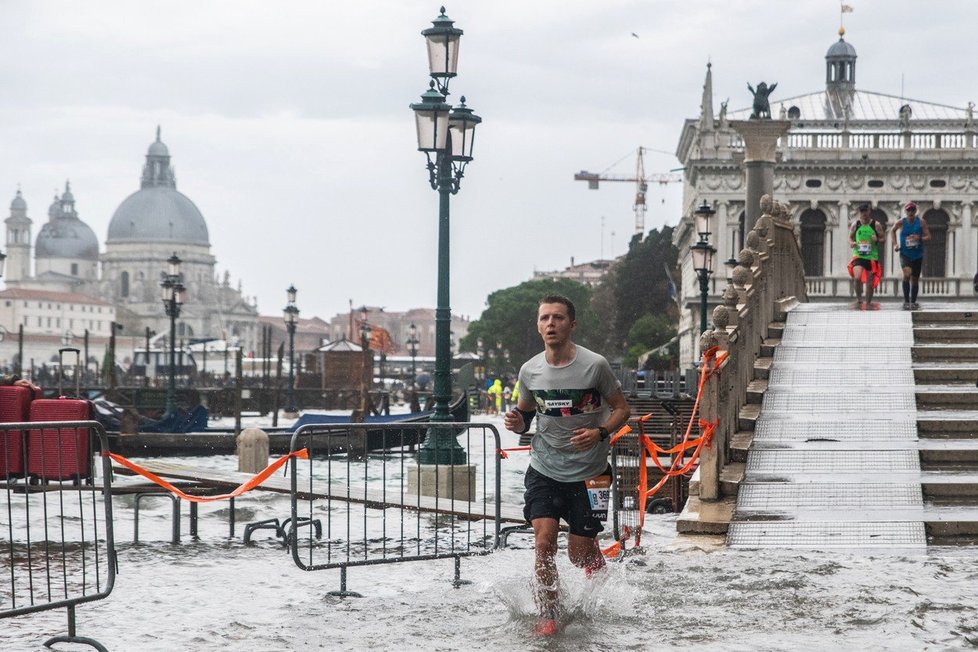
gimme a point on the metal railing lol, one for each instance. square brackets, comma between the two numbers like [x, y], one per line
[350, 510]
[57, 537]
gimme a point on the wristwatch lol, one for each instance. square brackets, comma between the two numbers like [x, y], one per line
[603, 433]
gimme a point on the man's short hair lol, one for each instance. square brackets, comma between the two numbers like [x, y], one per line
[864, 207]
[559, 298]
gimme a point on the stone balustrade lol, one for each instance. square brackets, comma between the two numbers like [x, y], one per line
[769, 276]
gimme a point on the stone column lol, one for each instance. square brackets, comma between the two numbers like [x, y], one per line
[760, 147]
[969, 256]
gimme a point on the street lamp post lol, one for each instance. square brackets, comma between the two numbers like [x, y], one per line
[171, 282]
[412, 343]
[445, 135]
[291, 319]
[702, 253]
[366, 378]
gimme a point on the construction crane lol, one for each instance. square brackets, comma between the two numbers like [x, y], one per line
[640, 179]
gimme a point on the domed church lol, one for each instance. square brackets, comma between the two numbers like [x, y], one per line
[148, 227]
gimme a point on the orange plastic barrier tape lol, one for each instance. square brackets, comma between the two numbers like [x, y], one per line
[504, 452]
[247, 486]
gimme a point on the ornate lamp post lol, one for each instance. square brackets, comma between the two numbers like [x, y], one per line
[366, 379]
[445, 135]
[412, 343]
[291, 315]
[481, 351]
[172, 284]
[702, 253]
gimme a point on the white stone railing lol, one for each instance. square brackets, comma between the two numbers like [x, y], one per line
[860, 140]
[842, 288]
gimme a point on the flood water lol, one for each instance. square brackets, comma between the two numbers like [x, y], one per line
[679, 593]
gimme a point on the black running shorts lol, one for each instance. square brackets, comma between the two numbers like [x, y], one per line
[914, 265]
[548, 498]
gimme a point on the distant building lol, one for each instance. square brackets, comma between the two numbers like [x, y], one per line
[587, 273]
[51, 320]
[148, 227]
[346, 325]
[845, 146]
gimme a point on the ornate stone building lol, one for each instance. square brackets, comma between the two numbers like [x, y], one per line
[845, 146]
[147, 228]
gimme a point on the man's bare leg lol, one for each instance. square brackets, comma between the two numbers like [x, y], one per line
[584, 552]
[545, 543]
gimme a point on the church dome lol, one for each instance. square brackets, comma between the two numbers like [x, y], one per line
[158, 214]
[66, 237]
[841, 48]
[18, 204]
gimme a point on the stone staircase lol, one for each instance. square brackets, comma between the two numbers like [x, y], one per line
[945, 355]
[897, 467]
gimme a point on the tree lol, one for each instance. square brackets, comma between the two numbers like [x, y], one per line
[647, 333]
[510, 318]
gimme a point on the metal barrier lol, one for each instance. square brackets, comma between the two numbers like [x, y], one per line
[372, 508]
[58, 538]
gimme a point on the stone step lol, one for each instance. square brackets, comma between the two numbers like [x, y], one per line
[740, 443]
[945, 352]
[748, 416]
[775, 329]
[946, 396]
[702, 517]
[769, 345]
[762, 368]
[943, 424]
[948, 372]
[755, 391]
[925, 317]
[946, 334]
[823, 535]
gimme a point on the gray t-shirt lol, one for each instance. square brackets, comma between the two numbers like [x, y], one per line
[567, 398]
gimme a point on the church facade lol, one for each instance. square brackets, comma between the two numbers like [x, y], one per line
[149, 226]
[845, 146]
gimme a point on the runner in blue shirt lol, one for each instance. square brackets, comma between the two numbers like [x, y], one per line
[909, 235]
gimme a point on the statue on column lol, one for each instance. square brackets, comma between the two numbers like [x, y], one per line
[761, 107]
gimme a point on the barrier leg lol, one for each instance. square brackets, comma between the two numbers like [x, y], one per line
[71, 638]
[458, 581]
[343, 593]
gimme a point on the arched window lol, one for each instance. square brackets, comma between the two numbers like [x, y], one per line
[813, 241]
[881, 217]
[935, 252]
[124, 284]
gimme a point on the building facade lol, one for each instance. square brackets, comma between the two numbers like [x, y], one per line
[845, 146]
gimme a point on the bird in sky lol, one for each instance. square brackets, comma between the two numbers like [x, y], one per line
[634, 34]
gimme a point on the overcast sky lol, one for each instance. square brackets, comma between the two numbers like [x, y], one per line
[289, 127]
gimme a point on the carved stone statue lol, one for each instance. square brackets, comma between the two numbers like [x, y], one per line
[723, 114]
[762, 108]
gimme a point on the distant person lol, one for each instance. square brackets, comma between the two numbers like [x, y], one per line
[495, 393]
[507, 397]
[13, 379]
[909, 235]
[865, 236]
[580, 403]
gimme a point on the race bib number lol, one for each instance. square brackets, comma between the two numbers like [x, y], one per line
[599, 495]
[912, 241]
[864, 247]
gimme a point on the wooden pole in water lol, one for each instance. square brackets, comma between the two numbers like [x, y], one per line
[237, 391]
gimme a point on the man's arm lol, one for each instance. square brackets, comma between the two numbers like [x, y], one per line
[924, 229]
[896, 234]
[852, 234]
[515, 420]
[587, 438]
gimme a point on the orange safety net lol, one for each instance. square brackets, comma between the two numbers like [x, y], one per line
[712, 361]
[247, 486]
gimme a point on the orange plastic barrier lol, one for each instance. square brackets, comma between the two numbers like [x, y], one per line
[247, 486]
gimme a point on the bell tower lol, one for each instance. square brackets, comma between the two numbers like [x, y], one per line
[19, 241]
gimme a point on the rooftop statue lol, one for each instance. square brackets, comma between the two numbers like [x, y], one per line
[762, 108]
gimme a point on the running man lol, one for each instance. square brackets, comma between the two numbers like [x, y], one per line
[909, 235]
[580, 403]
[865, 236]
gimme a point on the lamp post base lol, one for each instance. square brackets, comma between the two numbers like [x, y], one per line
[450, 481]
[441, 447]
